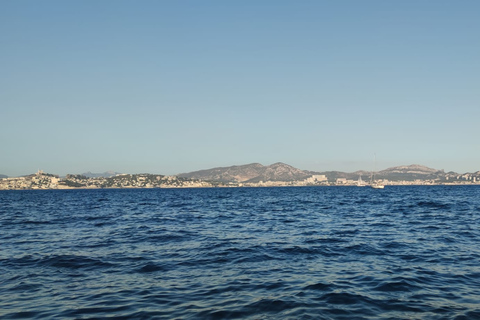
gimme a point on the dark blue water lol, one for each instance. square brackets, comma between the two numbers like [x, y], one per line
[246, 253]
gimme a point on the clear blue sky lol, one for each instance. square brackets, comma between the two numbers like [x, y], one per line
[176, 86]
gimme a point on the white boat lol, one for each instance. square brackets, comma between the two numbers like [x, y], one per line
[360, 182]
[375, 184]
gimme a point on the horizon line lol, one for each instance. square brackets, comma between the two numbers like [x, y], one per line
[278, 162]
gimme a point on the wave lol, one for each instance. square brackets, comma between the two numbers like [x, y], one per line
[57, 261]
[290, 253]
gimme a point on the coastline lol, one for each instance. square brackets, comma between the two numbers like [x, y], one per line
[209, 186]
[46, 181]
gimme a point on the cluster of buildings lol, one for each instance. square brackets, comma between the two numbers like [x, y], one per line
[42, 180]
[460, 180]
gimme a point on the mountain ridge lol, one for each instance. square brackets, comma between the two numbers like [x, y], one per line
[280, 173]
[256, 172]
[249, 173]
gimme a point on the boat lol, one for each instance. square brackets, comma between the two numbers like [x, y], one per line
[375, 184]
[360, 182]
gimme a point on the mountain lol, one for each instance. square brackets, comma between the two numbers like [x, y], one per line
[226, 174]
[253, 172]
[2, 176]
[280, 172]
[404, 173]
[106, 174]
[410, 173]
[334, 175]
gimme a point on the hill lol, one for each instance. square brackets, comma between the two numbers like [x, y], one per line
[410, 173]
[255, 172]
[250, 173]
[106, 174]
[280, 172]
[2, 176]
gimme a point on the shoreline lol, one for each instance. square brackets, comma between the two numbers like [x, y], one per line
[239, 187]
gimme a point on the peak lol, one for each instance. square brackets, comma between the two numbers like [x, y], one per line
[280, 164]
[417, 166]
[255, 164]
[411, 167]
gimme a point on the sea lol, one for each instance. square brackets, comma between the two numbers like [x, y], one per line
[404, 252]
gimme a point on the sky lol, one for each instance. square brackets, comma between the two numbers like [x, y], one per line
[168, 87]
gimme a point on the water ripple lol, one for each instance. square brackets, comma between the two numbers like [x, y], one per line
[245, 253]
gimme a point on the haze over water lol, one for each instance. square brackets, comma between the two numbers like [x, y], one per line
[241, 253]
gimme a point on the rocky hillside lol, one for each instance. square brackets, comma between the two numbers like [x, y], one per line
[253, 172]
[404, 173]
[280, 172]
[226, 174]
[410, 173]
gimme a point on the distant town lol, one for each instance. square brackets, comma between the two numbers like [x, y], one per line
[251, 175]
